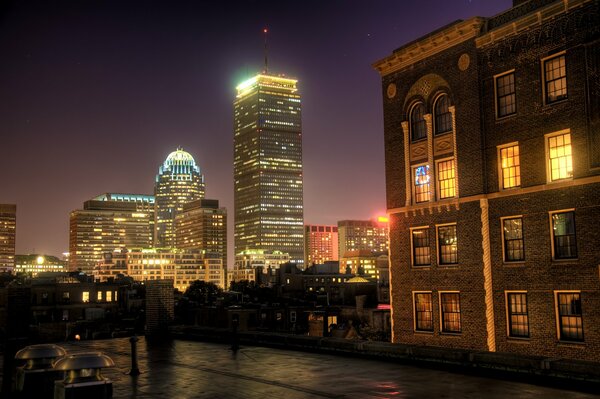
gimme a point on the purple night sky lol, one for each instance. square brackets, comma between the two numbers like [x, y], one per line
[95, 94]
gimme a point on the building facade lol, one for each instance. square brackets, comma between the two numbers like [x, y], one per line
[180, 266]
[250, 262]
[268, 184]
[320, 244]
[370, 235]
[202, 226]
[106, 223]
[492, 145]
[8, 234]
[178, 182]
[33, 264]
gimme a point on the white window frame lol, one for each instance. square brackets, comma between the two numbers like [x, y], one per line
[502, 219]
[557, 315]
[437, 181]
[500, 169]
[413, 168]
[543, 77]
[412, 252]
[415, 312]
[496, 94]
[547, 138]
[437, 245]
[441, 316]
[507, 305]
[554, 259]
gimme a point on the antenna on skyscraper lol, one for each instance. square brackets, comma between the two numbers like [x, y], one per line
[265, 31]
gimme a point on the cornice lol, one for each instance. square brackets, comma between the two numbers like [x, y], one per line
[430, 45]
[529, 21]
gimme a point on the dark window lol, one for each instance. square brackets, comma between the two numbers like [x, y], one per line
[421, 250]
[569, 316]
[506, 102]
[447, 245]
[518, 318]
[514, 249]
[443, 117]
[450, 312]
[423, 312]
[418, 127]
[563, 235]
[555, 77]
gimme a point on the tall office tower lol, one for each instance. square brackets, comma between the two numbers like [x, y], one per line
[369, 235]
[106, 223]
[178, 182]
[268, 167]
[320, 244]
[202, 225]
[8, 231]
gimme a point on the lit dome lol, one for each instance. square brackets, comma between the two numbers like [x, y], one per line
[179, 162]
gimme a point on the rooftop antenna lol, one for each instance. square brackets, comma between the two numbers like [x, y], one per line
[265, 31]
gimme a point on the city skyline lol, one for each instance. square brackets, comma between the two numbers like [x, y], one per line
[90, 107]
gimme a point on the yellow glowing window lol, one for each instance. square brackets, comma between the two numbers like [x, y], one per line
[559, 157]
[511, 167]
[446, 179]
[108, 296]
[421, 183]
[85, 296]
[99, 298]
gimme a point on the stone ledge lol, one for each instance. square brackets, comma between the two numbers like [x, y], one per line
[571, 374]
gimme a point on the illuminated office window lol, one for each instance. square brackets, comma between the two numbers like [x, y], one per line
[555, 79]
[510, 166]
[518, 317]
[85, 296]
[99, 296]
[450, 311]
[446, 179]
[423, 311]
[570, 320]
[559, 156]
[421, 249]
[422, 183]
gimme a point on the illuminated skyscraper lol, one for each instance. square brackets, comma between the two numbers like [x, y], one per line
[178, 182]
[8, 228]
[369, 235]
[268, 167]
[106, 223]
[320, 244]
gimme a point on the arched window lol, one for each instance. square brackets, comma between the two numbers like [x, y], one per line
[418, 128]
[443, 117]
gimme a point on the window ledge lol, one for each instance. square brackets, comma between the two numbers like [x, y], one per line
[553, 103]
[565, 261]
[418, 140]
[451, 334]
[423, 332]
[449, 266]
[442, 133]
[424, 267]
[520, 263]
[505, 117]
[518, 340]
[572, 344]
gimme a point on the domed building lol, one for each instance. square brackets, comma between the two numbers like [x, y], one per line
[178, 182]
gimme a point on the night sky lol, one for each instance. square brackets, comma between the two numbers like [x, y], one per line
[95, 94]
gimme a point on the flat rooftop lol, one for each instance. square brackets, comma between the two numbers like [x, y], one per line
[190, 369]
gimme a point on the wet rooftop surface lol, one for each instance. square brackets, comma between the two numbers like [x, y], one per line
[189, 369]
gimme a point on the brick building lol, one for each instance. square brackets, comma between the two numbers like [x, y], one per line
[492, 146]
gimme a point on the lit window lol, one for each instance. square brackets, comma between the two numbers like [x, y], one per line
[450, 305]
[418, 127]
[447, 245]
[421, 183]
[423, 312]
[443, 117]
[559, 157]
[506, 103]
[510, 167]
[446, 179]
[99, 296]
[555, 78]
[564, 239]
[570, 321]
[85, 296]
[420, 242]
[518, 318]
[512, 232]
[108, 296]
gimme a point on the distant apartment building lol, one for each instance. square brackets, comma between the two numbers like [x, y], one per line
[364, 263]
[202, 226]
[183, 267]
[8, 232]
[34, 264]
[178, 182]
[320, 244]
[492, 148]
[371, 235]
[107, 223]
[250, 262]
